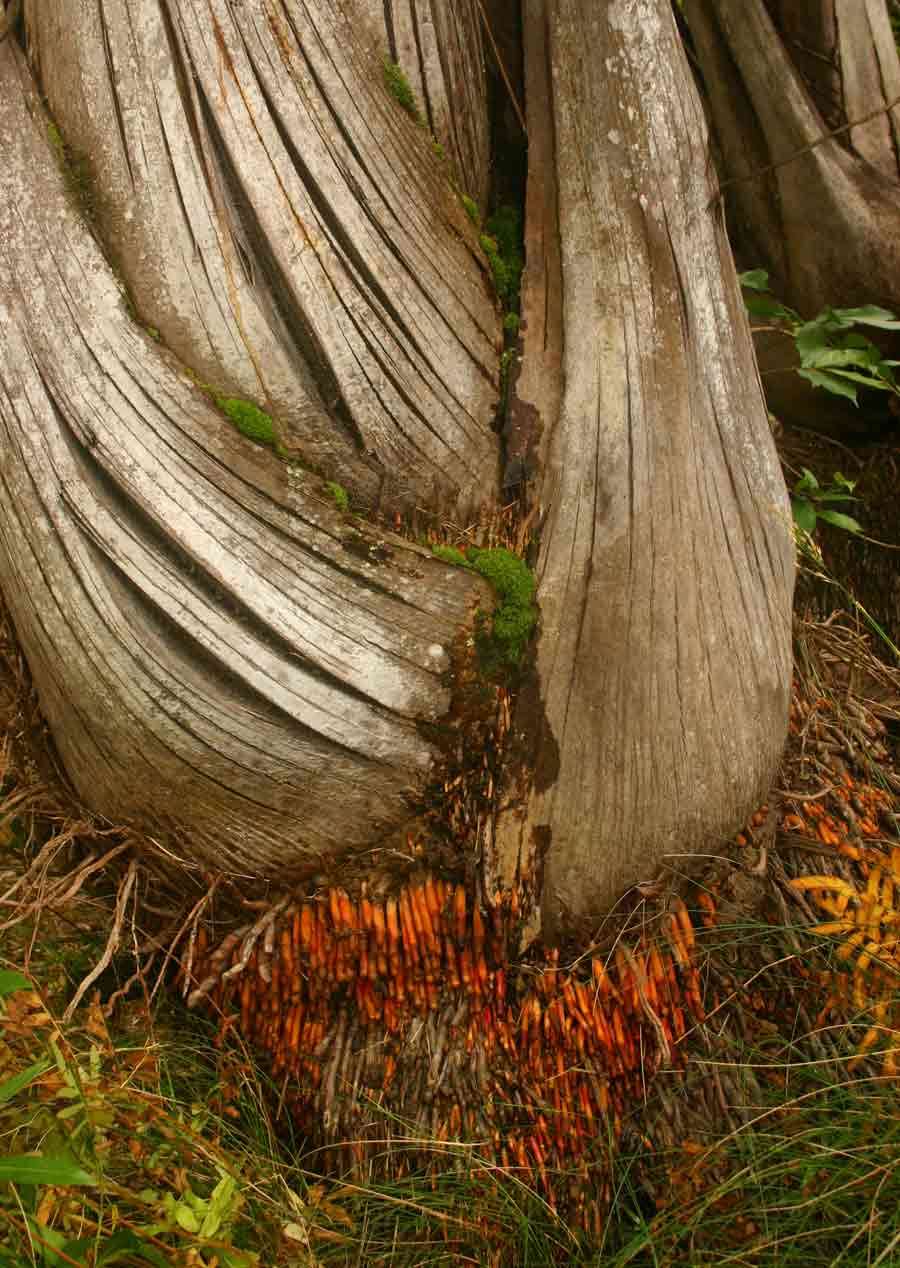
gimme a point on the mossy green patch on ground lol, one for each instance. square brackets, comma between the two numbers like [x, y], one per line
[500, 648]
[339, 494]
[399, 87]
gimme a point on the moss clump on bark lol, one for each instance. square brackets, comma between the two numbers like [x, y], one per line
[502, 244]
[470, 207]
[450, 555]
[339, 494]
[250, 420]
[500, 647]
[399, 87]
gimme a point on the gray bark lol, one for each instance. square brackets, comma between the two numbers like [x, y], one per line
[824, 220]
[326, 272]
[439, 47]
[666, 565]
[218, 651]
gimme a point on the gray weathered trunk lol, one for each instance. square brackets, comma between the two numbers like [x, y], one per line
[823, 218]
[217, 649]
[666, 565]
[323, 271]
[440, 49]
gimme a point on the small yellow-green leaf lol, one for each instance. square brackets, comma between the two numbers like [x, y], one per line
[186, 1218]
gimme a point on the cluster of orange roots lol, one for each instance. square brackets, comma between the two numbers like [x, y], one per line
[401, 1019]
[407, 1028]
[860, 891]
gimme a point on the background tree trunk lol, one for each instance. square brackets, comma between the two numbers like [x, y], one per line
[666, 565]
[822, 218]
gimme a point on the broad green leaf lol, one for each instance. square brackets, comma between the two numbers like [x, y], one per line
[767, 306]
[754, 280]
[222, 1206]
[804, 514]
[832, 495]
[813, 335]
[868, 315]
[867, 380]
[840, 481]
[31, 1169]
[825, 358]
[807, 482]
[13, 1086]
[846, 522]
[830, 382]
[11, 980]
[69, 1112]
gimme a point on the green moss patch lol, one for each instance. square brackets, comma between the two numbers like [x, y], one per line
[399, 87]
[500, 647]
[502, 244]
[450, 555]
[250, 420]
[339, 494]
[470, 207]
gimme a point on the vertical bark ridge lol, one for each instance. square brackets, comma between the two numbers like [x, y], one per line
[440, 49]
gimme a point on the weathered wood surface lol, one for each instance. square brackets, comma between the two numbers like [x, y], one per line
[826, 223]
[440, 49]
[666, 565]
[287, 229]
[216, 649]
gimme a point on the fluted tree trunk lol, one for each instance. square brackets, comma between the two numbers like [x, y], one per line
[221, 652]
[665, 565]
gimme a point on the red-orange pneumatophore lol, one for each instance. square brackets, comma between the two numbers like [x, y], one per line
[406, 1011]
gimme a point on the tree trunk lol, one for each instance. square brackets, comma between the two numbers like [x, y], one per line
[665, 565]
[326, 272]
[439, 47]
[218, 650]
[820, 214]
[222, 653]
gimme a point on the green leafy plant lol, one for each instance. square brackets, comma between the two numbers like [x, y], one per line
[833, 354]
[812, 501]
